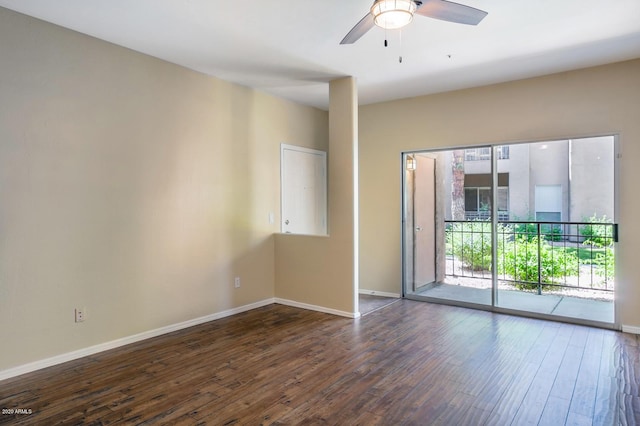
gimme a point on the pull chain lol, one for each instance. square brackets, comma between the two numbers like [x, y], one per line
[400, 58]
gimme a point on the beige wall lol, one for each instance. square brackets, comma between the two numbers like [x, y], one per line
[129, 186]
[322, 271]
[138, 189]
[594, 101]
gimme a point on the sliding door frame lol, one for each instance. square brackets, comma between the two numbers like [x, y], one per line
[493, 307]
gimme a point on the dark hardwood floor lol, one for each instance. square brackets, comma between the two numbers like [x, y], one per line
[409, 363]
[369, 303]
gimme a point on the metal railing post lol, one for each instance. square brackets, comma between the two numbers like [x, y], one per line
[539, 263]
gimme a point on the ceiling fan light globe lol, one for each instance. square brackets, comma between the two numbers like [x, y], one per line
[393, 14]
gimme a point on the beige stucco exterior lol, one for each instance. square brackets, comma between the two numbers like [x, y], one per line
[582, 168]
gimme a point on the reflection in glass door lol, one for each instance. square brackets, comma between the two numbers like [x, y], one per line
[545, 244]
[460, 236]
[424, 221]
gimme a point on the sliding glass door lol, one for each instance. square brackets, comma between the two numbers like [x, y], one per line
[524, 227]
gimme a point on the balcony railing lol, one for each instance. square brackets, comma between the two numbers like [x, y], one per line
[485, 215]
[535, 255]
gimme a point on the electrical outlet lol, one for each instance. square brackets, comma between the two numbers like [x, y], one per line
[236, 282]
[80, 314]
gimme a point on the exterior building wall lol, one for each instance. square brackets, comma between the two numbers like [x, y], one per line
[517, 167]
[446, 157]
[478, 167]
[583, 168]
[519, 177]
[549, 165]
[592, 178]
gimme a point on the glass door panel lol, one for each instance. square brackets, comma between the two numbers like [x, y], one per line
[556, 250]
[459, 239]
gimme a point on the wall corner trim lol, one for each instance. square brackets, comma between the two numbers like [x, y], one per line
[309, 307]
[101, 347]
[630, 329]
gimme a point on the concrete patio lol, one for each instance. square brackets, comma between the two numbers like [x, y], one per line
[549, 304]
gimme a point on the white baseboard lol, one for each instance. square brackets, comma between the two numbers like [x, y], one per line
[59, 359]
[317, 308]
[378, 293]
[630, 329]
[91, 350]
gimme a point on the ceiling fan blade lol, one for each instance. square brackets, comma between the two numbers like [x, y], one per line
[452, 12]
[359, 30]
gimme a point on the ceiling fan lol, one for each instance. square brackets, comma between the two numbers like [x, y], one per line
[394, 14]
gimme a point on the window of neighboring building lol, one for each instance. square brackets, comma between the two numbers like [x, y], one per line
[477, 202]
[478, 154]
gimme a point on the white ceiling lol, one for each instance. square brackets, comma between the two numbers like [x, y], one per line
[290, 48]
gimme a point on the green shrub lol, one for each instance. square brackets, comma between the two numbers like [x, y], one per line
[551, 232]
[600, 233]
[520, 261]
[470, 242]
[529, 231]
[605, 263]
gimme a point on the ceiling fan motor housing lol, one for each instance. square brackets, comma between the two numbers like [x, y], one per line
[393, 14]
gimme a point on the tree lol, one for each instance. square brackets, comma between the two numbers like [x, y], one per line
[457, 185]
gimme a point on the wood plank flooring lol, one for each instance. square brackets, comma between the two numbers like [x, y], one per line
[369, 303]
[410, 363]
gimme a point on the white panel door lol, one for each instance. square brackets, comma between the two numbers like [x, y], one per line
[304, 190]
